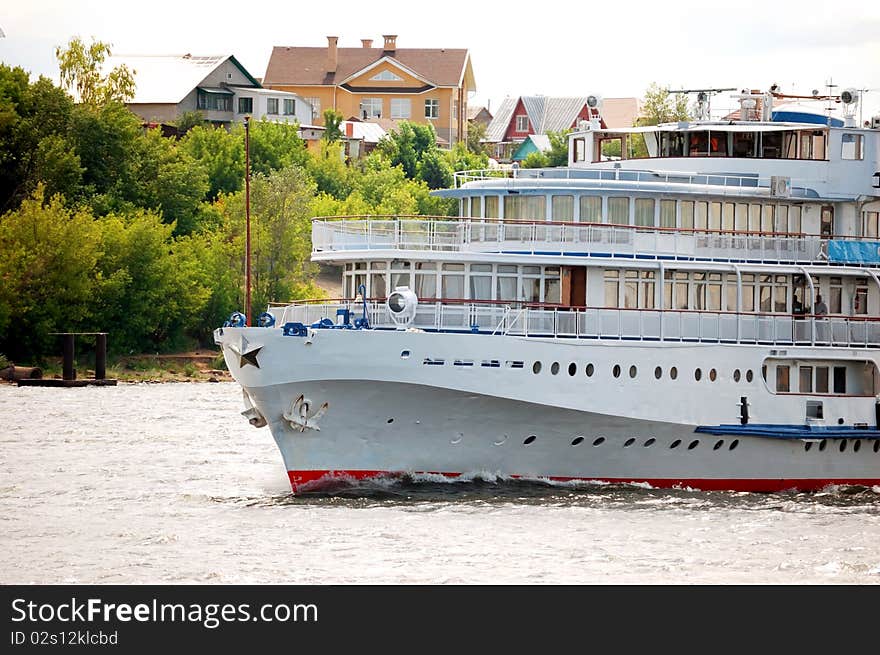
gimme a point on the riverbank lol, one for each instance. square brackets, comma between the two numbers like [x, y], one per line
[194, 366]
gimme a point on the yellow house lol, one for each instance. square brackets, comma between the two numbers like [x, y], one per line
[421, 85]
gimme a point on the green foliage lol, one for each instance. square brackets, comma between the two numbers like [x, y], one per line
[273, 146]
[475, 136]
[435, 170]
[558, 153]
[80, 70]
[332, 120]
[535, 160]
[48, 254]
[189, 120]
[330, 172]
[4, 362]
[659, 106]
[221, 154]
[462, 158]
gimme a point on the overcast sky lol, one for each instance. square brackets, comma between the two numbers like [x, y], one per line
[549, 47]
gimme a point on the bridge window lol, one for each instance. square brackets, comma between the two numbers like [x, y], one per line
[860, 299]
[805, 382]
[687, 214]
[782, 379]
[869, 224]
[492, 207]
[701, 216]
[644, 212]
[852, 146]
[529, 208]
[426, 280]
[821, 379]
[562, 208]
[667, 213]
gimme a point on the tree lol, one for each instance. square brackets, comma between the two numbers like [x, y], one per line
[558, 153]
[273, 145]
[536, 159]
[659, 106]
[222, 156]
[475, 136]
[80, 69]
[188, 120]
[332, 120]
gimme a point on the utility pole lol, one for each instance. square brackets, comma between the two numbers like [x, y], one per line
[247, 213]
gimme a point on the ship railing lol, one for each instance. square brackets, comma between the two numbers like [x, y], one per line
[541, 237]
[519, 319]
[602, 176]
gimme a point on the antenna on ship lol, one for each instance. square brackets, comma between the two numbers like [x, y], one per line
[704, 100]
[247, 212]
[829, 85]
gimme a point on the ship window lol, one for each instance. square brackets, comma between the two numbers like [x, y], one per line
[718, 444]
[554, 368]
[425, 283]
[599, 441]
[734, 444]
[673, 373]
[701, 215]
[667, 213]
[630, 289]
[687, 215]
[877, 445]
[572, 369]
[852, 146]
[536, 368]
[736, 375]
[675, 444]
[404, 354]
[644, 208]
[741, 217]
[821, 379]
[805, 381]
[807, 446]
[840, 379]
[857, 445]
[591, 209]
[629, 442]
[526, 208]
[860, 299]
[633, 371]
[727, 217]
[698, 374]
[577, 441]
[611, 288]
[589, 370]
[618, 211]
[562, 208]
[580, 149]
[782, 379]
[767, 218]
[529, 439]
[658, 373]
[491, 206]
[650, 442]
[749, 375]
[693, 444]
[715, 216]
[842, 445]
[713, 374]
[616, 371]
[869, 224]
[823, 445]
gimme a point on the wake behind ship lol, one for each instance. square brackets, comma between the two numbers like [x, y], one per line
[705, 316]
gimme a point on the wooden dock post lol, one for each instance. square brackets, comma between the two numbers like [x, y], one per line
[67, 352]
[68, 369]
[100, 355]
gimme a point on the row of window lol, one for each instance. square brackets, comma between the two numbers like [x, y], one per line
[633, 372]
[841, 446]
[811, 379]
[643, 212]
[246, 106]
[401, 108]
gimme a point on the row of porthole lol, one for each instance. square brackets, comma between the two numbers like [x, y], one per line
[616, 371]
[842, 446]
[598, 441]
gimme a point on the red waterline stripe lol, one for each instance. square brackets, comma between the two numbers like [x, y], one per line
[312, 480]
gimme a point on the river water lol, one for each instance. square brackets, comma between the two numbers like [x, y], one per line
[167, 483]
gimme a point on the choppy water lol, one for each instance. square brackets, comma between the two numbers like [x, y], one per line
[166, 483]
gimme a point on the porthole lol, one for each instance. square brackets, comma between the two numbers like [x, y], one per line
[536, 368]
[842, 446]
[877, 445]
[718, 444]
[616, 371]
[598, 441]
[529, 439]
[673, 373]
[749, 376]
[572, 369]
[391, 420]
[713, 374]
[650, 442]
[554, 368]
[577, 441]
[693, 444]
[500, 441]
[698, 374]
[823, 445]
[736, 375]
[840, 421]
[857, 445]
[734, 444]
[633, 371]
[675, 444]
[629, 442]
[457, 438]
[658, 373]
[589, 370]
[404, 354]
[807, 446]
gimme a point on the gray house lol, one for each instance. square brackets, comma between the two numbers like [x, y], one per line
[218, 86]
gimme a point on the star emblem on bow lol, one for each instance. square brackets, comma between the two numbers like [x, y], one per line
[247, 353]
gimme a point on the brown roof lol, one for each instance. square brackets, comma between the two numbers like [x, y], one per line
[620, 112]
[307, 66]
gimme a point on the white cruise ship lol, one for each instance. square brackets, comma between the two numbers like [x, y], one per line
[705, 316]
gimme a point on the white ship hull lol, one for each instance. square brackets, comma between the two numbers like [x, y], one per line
[364, 403]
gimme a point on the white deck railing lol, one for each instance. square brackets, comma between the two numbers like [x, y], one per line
[469, 235]
[598, 323]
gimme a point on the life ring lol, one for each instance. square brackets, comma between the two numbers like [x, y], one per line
[236, 319]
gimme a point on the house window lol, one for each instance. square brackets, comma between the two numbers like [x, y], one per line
[851, 146]
[245, 105]
[386, 76]
[289, 106]
[432, 108]
[272, 105]
[400, 108]
[371, 108]
[455, 109]
[214, 101]
[522, 123]
[316, 106]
